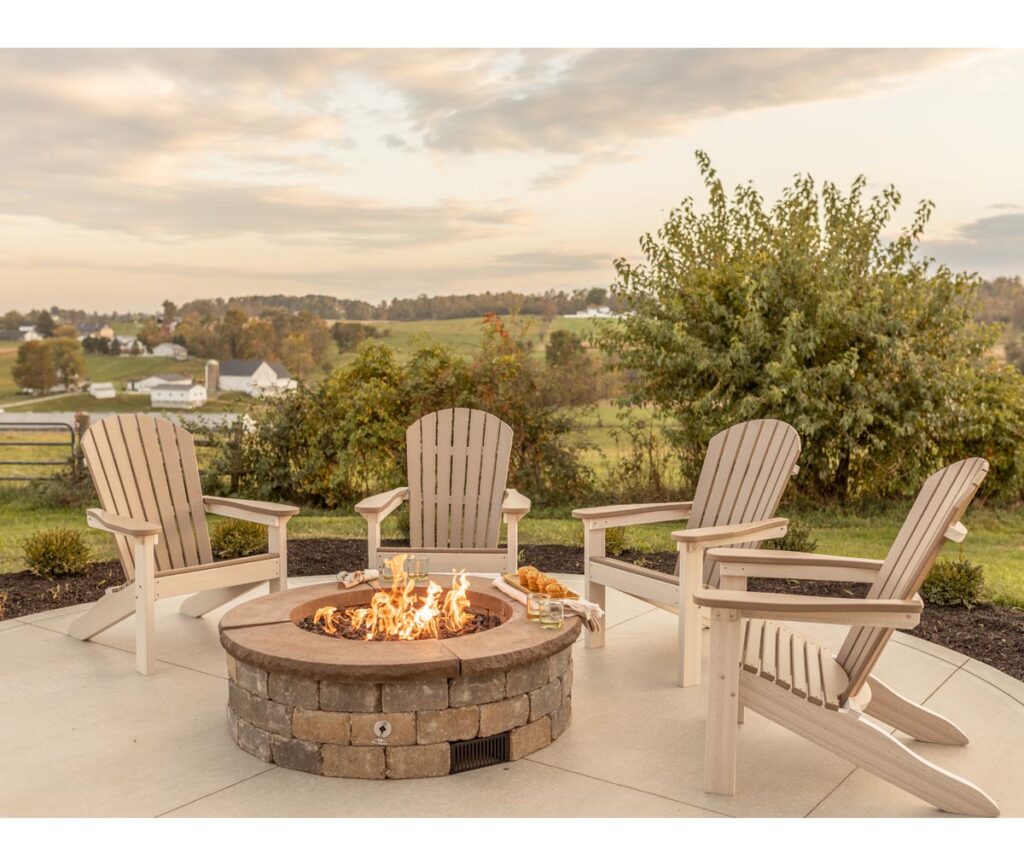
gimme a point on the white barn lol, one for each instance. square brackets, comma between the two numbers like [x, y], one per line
[253, 376]
[168, 350]
[178, 396]
[102, 390]
[144, 386]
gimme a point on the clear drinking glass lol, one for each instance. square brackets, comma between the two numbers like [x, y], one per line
[552, 613]
[533, 602]
[417, 567]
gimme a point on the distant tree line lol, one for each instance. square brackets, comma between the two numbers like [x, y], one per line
[423, 307]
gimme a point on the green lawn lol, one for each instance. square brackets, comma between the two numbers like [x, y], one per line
[995, 538]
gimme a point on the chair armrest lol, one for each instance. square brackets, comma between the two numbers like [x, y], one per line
[886, 612]
[103, 520]
[515, 504]
[382, 505]
[624, 515]
[751, 563]
[733, 534]
[260, 512]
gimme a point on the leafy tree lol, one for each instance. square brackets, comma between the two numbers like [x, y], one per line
[170, 310]
[297, 356]
[564, 348]
[67, 360]
[348, 336]
[33, 368]
[804, 311]
[65, 330]
[152, 334]
[572, 377]
[45, 324]
[11, 321]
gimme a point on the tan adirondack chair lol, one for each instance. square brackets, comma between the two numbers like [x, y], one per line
[761, 664]
[457, 463]
[745, 471]
[147, 478]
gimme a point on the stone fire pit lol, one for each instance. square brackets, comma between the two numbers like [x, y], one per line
[396, 709]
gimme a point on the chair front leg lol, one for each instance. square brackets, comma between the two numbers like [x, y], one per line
[723, 702]
[593, 546]
[372, 541]
[277, 542]
[512, 537]
[691, 574]
[145, 597]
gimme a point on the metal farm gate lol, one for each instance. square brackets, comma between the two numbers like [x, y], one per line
[32, 456]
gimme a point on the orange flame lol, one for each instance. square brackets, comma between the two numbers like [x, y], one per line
[400, 614]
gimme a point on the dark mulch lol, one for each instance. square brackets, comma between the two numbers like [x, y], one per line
[990, 633]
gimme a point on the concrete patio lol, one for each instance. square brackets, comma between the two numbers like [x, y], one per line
[85, 735]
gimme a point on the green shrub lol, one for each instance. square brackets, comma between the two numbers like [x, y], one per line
[798, 538]
[234, 537]
[58, 551]
[952, 583]
[67, 490]
[616, 540]
[3, 602]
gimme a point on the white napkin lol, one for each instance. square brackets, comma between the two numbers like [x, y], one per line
[590, 613]
[351, 579]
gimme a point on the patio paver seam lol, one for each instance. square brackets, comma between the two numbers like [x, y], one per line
[127, 652]
[214, 793]
[990, 683]
[629, 787]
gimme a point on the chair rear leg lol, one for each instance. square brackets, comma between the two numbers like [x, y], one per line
[920, 723]
[857, 739]
[108, 611]
[202, 603]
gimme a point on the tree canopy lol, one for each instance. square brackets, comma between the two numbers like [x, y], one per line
[806, 310]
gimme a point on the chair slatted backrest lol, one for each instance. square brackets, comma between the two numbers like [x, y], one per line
[746, 469]
[146, 468]
[458, 467]
[941, 502]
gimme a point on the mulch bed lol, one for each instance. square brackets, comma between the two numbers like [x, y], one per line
[989, 633]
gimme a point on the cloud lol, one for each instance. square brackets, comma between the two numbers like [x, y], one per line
[597, 99]
[992, 245]
[550, 261]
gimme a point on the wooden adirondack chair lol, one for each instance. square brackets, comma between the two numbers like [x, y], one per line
[147, 478]
[745, 471]
[457, 463]
[760, 664]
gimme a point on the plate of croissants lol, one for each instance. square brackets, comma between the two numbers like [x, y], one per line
[531, 579]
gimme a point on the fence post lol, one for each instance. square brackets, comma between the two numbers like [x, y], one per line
[77, 458]
[236, 455]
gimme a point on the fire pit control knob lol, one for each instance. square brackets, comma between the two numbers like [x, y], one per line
[382, 728]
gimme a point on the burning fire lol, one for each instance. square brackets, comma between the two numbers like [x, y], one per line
[400, 614]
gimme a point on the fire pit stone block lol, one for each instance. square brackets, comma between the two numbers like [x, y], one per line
[476, 689]
[295, 754]
[503, 716]
[561, 717]
[252, 679]
[271, 716]
[321, 726]
[353, 762]
[342, 696]
[293, 690]
[523, 679]
[447, 725]
[415, 695]
[418, 762]
[530, 738]
[403, 729]
[545, 699]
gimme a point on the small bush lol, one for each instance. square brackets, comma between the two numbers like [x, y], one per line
[798, 538]
[58, 551]
[65, 491]
[237, 538]
[615, 540]
[952, 583]
[3, 602]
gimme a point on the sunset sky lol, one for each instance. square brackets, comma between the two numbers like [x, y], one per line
[130, 177]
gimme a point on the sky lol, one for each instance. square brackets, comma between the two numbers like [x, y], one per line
[130, 177]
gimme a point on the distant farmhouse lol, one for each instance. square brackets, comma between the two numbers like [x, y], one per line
[168, 350]
[102, 390]
[95, 330]
[22, 333]
[145, 386]
[253, 376]
[178, 396]
[595, 312]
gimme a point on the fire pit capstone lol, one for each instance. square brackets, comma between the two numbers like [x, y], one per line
[396, 709]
